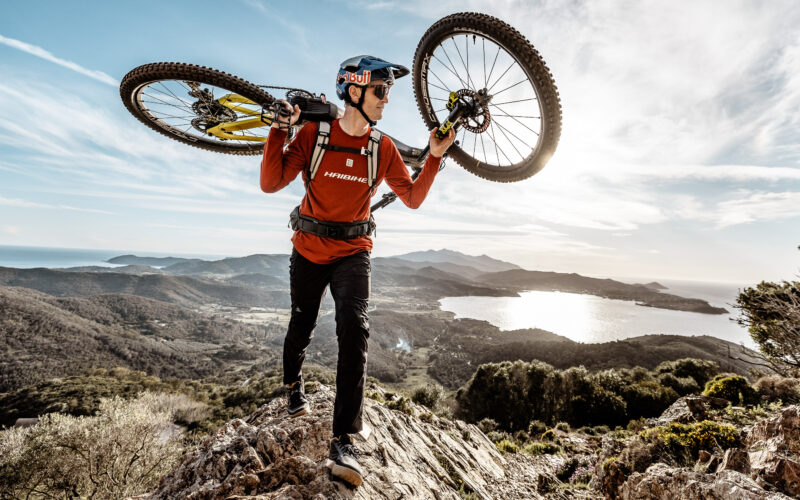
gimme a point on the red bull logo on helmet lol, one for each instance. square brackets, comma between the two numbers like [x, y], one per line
[350, 77]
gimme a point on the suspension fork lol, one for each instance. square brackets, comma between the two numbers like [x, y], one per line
[457, 108]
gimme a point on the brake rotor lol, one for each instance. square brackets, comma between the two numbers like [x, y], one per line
[479, 119]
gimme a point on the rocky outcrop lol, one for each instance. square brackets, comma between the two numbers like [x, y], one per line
[268, 456]
[766, 465]
[661, 481]
[688, 409]
[774, 450]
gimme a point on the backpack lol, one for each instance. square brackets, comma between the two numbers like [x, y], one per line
[372, 152]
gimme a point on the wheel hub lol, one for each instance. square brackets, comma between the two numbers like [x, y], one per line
[478, 118]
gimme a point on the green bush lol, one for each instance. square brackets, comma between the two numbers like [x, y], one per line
[426, 417]
[536, 428]
[401, 404]
[487, 425]
[681, 385]
[680, 439]
[701, 370]
[507, 446]
[648, 399]
[734, 388]
[521, 436]
[118, 453]
[548, 435]
[428, 395]
[562, 426]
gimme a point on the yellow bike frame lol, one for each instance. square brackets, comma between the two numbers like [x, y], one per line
[224, 130]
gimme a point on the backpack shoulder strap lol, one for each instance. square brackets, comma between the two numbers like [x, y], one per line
[323, 137]
[374, 151]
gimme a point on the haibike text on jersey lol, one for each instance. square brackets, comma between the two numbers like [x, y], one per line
[345, 177]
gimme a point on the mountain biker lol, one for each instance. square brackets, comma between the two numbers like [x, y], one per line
[331, 241]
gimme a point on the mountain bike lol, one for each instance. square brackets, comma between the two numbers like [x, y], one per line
[471, 72]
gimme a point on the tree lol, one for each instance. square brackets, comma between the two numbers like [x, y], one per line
[771, 312]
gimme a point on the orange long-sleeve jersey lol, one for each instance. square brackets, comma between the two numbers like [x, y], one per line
[339, 191]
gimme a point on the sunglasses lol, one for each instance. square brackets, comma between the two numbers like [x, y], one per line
[380, 90]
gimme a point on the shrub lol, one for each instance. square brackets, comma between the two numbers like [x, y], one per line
[648, 399]
[601, 429]
[426, 417]
[701, 370]
[777, 388]
[734, 388]
[562, 426]
[536, 428]
[118, 453]
[540, 448]
[487, 425]
[401, 404]
[507, 446]
[521, 436]
[548, 435]
[681, 385]
[428, 395]
[680, 438]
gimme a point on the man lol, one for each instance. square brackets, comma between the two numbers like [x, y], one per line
[331, 240]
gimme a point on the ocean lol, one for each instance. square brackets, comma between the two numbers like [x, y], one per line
[591, 319]
[29, 257]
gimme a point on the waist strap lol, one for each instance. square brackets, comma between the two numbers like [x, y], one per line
[334, 230]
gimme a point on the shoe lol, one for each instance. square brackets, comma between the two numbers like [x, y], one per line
[345, 464]
[296, 403]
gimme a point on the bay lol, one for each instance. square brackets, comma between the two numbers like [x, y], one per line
[592, 319]
[25, 257]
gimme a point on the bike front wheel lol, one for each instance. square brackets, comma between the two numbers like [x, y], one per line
[199, 106]
[514, 122]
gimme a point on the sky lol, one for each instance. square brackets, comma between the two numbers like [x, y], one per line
[679, 156]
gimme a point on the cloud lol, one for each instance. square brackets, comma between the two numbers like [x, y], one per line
[48, 56]
[10, 229]
[755, 207]
[14, 202]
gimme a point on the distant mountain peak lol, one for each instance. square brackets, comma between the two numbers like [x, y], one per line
[445, 255]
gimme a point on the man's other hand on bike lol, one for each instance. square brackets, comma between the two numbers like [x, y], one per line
[439, 146]
[281, 121]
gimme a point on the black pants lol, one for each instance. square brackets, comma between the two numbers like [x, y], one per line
[349, 282]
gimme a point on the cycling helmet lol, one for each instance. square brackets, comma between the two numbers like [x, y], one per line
[361, 70]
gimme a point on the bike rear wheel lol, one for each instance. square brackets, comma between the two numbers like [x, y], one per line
[181, 101]
[515, 124]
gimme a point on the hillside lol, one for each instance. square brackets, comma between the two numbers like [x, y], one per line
[45, 337]
[183, 290]
[644, 295]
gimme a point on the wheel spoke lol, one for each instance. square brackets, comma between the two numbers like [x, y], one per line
[451, 67]
[483, 43]
[511, 102]
[172, 93]
[469, 79]
[167, 103]
[516, 120]
[497, 146]
[440, 81]
[501, 76]
[504, 130]
[491, 71]
[512, 86]
[483, 146]
[160, 102]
